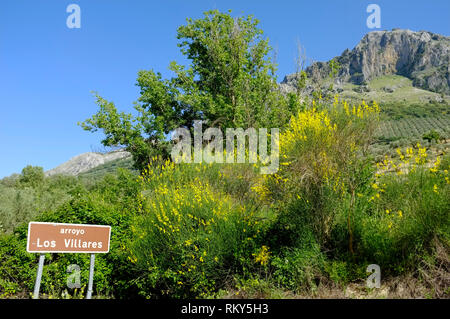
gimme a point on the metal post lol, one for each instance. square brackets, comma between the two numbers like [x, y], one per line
[37, 284]
[91, 277]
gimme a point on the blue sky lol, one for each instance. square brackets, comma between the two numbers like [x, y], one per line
[47, 71]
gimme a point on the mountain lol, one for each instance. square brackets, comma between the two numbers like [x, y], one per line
[87, 161]
[422, 57]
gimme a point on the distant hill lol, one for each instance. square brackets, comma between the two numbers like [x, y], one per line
[421, 57]
[87, 161]
[109, 168]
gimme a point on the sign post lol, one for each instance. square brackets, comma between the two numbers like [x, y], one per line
[67, 238]
[37, 284]
[91, 277]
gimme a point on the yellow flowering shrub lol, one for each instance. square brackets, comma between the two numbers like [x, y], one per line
[320, 152]
[408, 205]
[189, 233]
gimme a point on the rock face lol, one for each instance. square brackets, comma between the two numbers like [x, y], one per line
[421, 56]
[84, 162]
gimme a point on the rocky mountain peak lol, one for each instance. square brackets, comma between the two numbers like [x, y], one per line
[421, 56]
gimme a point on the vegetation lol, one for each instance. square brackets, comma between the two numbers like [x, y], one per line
[220, 230]
[229, 83]
[403, 125]
[395, 89]
[206, 230]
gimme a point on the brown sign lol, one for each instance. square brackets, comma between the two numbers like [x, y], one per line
[67, 238]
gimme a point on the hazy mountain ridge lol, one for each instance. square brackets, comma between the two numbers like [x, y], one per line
[86, 161]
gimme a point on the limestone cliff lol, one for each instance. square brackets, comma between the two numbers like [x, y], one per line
[421, 56]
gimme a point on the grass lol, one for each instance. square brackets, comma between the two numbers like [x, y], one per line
[403, 91]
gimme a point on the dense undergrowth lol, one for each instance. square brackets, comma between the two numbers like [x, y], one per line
[204, 230]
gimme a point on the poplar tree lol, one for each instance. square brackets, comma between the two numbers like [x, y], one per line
[230, 82]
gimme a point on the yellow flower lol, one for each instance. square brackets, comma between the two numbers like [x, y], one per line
[263, 256]
[132, 259]
[435, 188]
[436, 165]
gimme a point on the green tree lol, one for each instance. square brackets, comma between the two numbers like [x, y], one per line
[432, 135]
[32, 176]
[230, 82]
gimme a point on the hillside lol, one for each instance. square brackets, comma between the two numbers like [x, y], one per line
[85, 162]
[422, 57]
[392, 88]
[108, 168]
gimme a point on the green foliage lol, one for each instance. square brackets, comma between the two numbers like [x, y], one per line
[10, 181]
[192, 230]
[16, 206]
[322, 164]
[403, 125]
[399, 110]
[112, 201]
[432, 136]
[414, 126]
[93, 175]
[189, 236]
[301, 81]
[254, 287]
[334, 70]
[299, 269]
[122, 129]
[229, 83]
[409, 213]
[32, 176]
[26, 196]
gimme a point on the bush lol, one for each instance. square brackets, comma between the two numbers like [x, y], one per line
[409, 213]
[432, 136]
[104, 206]
[406, 205]
[32, 176]
[321, 164]
[16, 207]
[299, 269]
[189, 237]
[23, 198]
